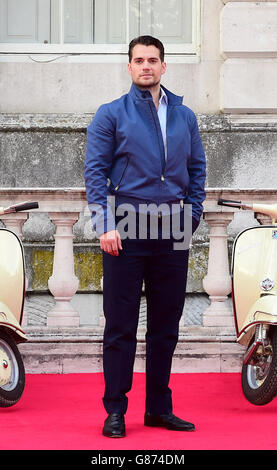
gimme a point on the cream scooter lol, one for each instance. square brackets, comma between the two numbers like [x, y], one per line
[254, 294]
[12, 293]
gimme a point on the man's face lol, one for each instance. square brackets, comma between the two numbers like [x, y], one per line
[146, 67]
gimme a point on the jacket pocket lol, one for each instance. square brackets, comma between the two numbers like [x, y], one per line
[116, 187]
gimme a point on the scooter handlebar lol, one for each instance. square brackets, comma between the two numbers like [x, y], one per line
[229, 203]
[22, 206]
[267, 209]
[26, 206]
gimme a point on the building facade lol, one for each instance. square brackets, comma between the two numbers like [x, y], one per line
[61, 59]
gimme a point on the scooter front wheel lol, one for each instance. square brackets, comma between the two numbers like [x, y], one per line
[259, 378]
[12, 371]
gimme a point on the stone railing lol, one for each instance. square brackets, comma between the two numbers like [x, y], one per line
[64, 344]
[64, 207]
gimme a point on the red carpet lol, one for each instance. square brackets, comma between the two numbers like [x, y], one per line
[65, 412]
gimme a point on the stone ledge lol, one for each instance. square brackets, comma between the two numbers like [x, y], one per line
[191, 333]
[69, 350]
[45, 122]
[86, 357]
[72, 122]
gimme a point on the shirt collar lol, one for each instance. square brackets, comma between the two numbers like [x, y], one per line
[163, 97]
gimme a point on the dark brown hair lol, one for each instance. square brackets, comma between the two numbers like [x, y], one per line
[146, 41]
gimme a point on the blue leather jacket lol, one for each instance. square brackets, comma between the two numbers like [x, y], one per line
[125, 148]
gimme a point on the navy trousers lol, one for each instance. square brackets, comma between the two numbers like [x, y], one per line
[164, 272]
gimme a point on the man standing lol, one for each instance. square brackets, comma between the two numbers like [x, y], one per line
[143, 148]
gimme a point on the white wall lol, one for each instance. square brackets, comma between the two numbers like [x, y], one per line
[77, 84]
[249, 45]
[236, 71]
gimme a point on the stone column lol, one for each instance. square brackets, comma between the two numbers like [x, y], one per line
[217, 282]
[63, 283]
[102, 320]
[14, 222]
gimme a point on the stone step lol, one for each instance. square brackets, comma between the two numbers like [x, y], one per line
[70, 350]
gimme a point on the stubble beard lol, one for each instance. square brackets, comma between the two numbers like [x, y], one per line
[148, 86]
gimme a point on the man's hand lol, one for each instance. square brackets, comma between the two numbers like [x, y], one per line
[110, 242]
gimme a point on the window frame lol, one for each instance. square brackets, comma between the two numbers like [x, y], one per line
[189, 49]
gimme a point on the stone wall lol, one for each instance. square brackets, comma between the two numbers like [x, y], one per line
[31, 146]
[49, 150]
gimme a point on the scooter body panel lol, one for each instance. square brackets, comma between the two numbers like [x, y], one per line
[254, 264]
[9, 322]
[12, 279]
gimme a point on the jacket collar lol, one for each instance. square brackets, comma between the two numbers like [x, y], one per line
[144, 95]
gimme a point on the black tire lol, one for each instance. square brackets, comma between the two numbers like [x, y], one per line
[259, 381]
[10, 392]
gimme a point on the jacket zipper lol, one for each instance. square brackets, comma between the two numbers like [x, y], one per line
[162, 152]
[169, 114]
[163, 166]
[123, 173]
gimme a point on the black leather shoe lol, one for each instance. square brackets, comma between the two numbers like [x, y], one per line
[167, 421]
[114, 425]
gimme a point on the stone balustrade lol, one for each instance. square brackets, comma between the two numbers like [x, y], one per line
[64, 207]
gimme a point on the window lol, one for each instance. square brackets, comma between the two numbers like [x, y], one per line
[96, 26]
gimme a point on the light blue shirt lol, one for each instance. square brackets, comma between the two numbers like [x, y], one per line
[162, 115]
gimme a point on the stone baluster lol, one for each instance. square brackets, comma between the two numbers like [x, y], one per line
[217, 282]
[63, 283]
[102, 320]
[14, 222]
